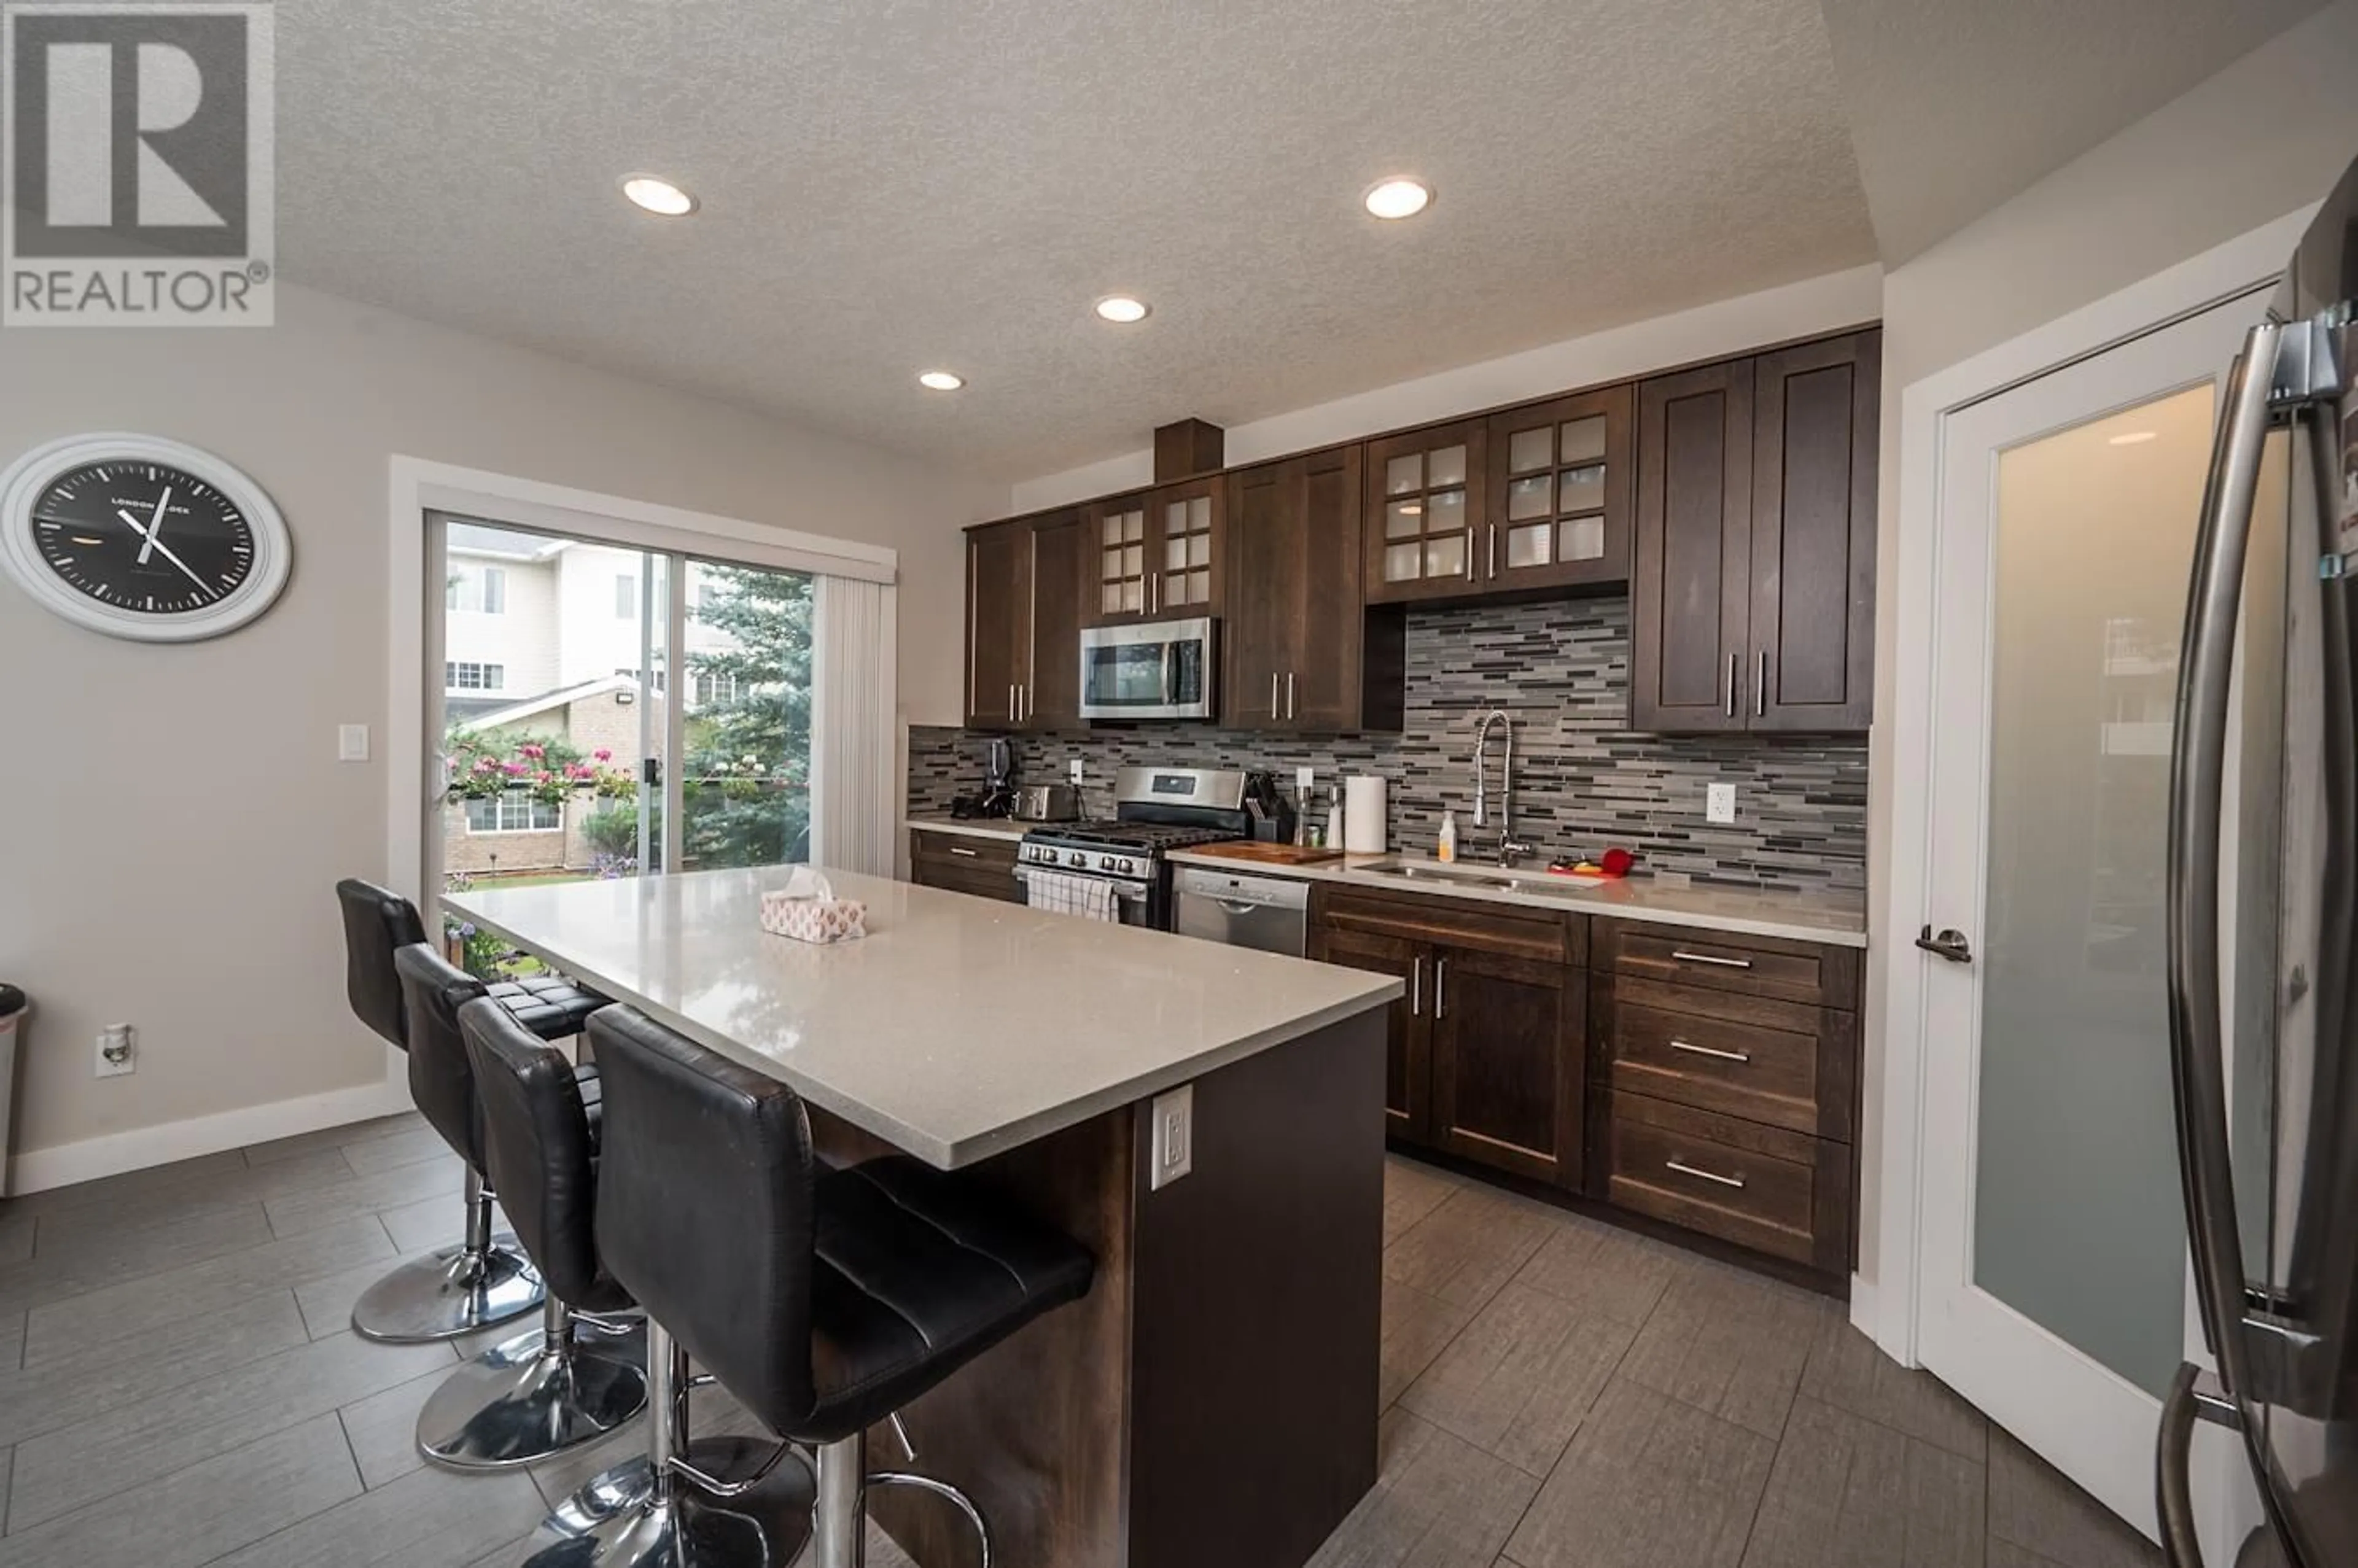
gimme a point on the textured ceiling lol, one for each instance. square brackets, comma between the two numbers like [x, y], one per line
[889, 185]
[1955, 105]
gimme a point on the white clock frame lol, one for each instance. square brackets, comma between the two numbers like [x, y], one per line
[24, 480]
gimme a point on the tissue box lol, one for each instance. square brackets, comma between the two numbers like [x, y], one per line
[809, 919]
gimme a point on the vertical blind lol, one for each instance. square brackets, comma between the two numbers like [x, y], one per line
[854, 744]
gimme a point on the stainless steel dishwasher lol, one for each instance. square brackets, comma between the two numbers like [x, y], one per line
[1269, 913]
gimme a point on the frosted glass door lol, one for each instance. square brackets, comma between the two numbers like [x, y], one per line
[2076, 1218]
[2052, 1276]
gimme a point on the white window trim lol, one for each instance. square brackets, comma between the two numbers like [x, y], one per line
[501, 802]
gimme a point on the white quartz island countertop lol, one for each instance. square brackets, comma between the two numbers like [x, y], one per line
[956, 1028]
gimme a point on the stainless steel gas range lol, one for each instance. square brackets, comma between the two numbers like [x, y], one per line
[1156, 810]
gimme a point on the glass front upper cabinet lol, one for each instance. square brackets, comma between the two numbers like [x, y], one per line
[1156, 555]
[1560, 492]
[1424, 508]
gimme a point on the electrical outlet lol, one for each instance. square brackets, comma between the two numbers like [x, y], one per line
[118, 1046]
[1174, 1136]
[1719, 802]
[1075, 769]
[351, 742]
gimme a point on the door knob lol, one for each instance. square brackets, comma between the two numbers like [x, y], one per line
[1949, 944]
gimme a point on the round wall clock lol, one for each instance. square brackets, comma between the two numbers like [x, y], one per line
[138, 536]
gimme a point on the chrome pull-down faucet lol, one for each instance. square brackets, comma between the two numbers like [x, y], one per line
[1509, 848]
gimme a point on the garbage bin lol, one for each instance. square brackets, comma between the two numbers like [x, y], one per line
[13, 1006]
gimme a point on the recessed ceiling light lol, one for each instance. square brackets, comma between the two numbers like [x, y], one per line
[2134, 438]
[941, 379]
[1122, 308]
[660, 197]
[1399, 198]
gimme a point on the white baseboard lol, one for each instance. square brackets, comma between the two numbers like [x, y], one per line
[38, 1170]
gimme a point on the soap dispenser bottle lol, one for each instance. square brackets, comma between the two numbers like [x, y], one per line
[1448, 850]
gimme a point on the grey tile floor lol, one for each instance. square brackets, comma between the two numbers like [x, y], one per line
[179, 1387]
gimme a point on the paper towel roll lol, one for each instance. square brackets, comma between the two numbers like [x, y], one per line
[1364, 829]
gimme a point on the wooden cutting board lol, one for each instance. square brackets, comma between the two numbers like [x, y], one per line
[1269, 854]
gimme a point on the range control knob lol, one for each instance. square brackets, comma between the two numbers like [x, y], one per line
[1076, 859]
[1106, 863]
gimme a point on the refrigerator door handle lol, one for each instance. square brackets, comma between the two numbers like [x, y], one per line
[2198, 762]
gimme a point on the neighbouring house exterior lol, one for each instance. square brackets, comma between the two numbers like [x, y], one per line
[514, 834]
[542, 641]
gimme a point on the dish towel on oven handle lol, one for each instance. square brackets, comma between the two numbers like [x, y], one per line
[1065, 894]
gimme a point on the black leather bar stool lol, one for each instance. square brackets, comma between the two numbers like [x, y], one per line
[530, 1125]
[482, 1280]
[824, 1301]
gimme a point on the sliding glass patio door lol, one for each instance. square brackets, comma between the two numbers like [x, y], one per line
[607, 711]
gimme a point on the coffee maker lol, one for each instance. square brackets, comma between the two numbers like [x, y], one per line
[998, 797]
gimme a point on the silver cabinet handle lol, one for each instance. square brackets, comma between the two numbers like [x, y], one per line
[1683, 956]
[1416, 990]
[1272, 694]
[1491, 572]
[1154, 592]
[1684, 1169]
[1031, 701]
[2196, 775]
[1760, 683]
[1011, 702]
[965, 854]
[1289, 694]
[1440, 988]
[1730, 705]
[1694, 1050]
[1469, 552]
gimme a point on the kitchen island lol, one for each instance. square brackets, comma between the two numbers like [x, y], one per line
[1214, 1398]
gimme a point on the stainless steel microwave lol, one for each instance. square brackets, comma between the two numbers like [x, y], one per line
[1162, 669]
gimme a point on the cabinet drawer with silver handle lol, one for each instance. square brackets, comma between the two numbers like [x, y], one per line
[1741, 1067]
[1755, 965]
[1773, 1191]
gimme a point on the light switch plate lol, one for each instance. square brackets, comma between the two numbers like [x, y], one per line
[1074, 768]
[351, 742]
[1174, 1136]
[1719, 802]
[1305, 778]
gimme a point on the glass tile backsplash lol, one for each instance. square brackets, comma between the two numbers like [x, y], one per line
[1584, 783]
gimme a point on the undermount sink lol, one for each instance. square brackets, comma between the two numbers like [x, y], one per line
[1536, 882]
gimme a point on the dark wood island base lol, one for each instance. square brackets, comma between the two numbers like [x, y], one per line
[1213, 1400]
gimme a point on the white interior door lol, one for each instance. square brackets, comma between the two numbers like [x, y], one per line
[2052, 1272]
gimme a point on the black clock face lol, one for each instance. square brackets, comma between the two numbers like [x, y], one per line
[144, 538]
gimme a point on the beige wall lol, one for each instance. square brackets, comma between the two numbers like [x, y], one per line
[171, 819]
[2262, 138]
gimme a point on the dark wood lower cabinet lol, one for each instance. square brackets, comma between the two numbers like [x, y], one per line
[1507, 1038]
[1484, 1053]
[961, 862]
[1408, 1096]
[1703, 1079]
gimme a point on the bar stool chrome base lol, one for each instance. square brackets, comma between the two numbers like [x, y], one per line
[616, 1521]
[531, 1398]
[479, 1284]
[647, 1512]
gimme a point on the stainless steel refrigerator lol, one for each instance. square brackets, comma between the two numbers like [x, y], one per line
[2263, 918]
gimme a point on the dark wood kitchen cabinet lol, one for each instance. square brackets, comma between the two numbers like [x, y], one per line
[1425, 497]
[1488, 1059]
[1559, 496]
[1753, 583]
[1408, 1072]
[1157, 555]
[1023, 601]
[1298, 654]
[965, 862]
